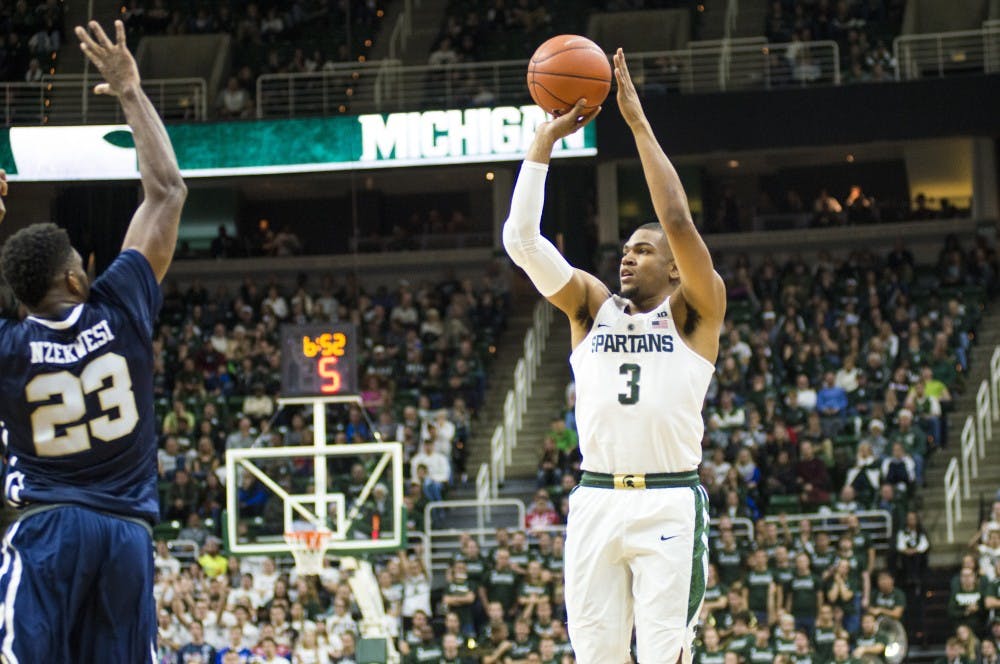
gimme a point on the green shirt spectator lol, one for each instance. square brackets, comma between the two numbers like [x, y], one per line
[566, 439]
[501, 582]
[728, 559]
[888, 600]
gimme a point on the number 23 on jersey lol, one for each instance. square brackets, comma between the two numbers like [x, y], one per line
[63, 427]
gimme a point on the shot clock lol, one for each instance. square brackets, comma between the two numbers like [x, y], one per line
[318, 360]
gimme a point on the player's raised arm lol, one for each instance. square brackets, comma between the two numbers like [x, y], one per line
[153, 229]
[575, 292]
[701, 286]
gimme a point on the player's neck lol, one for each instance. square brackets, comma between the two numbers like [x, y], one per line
[639, 305]
[54, 305]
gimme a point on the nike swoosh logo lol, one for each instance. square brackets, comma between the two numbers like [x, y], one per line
[603, 325]
[664, 539]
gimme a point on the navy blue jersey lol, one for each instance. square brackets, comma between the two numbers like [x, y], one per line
[76, 398]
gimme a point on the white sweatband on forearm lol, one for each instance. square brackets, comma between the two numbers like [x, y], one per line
[522, 236]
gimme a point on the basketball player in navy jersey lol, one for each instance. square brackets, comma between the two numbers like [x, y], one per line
[76, 414]
[637, 535]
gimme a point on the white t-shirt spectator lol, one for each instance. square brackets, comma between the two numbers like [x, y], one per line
[720, 470]
[263, 583]
[273, 24]
[416, 595]
[847, 379]
[221, 344]
[279, 306]
[731, 419]
[258, 406]
[405, 315]
[327, 304]
[438, 466]
[234, 102]
[337, 625]
[238, 440]
[253, 595]
[741, 351]
[167, 565]
[444, 433]
[444, 55]
[805, 399]
[169, 462]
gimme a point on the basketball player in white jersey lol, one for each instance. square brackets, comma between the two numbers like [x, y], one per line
[637, 539]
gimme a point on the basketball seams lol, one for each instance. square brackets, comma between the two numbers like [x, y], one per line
[582, 47]
[579, 76]
[551, 94]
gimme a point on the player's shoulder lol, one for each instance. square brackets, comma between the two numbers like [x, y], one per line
[129, 269]
[7, 327]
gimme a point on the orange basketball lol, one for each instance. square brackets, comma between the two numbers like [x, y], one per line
[565, 69]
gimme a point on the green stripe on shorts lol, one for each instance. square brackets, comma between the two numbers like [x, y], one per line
[697, 591]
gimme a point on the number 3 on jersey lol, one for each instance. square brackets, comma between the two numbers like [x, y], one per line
[71, 407]
[632, 371]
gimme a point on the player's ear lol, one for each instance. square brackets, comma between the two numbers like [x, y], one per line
[76, 283]
[675, 273]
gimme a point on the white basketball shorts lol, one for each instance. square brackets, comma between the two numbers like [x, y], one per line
[635, 556]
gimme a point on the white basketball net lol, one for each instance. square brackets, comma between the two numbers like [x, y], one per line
[308, 548]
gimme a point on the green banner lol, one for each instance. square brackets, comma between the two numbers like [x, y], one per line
[107, 152]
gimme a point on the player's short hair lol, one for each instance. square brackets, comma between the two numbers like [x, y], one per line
[651, 226]
[32, 258]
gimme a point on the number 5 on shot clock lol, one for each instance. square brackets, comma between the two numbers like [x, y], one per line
[318, 360]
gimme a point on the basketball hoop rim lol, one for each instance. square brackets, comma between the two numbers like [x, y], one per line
[309, 540]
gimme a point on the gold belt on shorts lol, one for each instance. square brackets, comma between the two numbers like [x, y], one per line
[639, 480]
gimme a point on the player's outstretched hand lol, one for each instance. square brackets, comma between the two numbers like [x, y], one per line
[3, 192]
[628, 98]
[113, 60]
[563, 125]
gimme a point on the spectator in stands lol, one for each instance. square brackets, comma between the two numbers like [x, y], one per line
[211, 560]
[181, 497]
[234, 101]
[243, 437]
[432, 469]
[812, 477]
[542, 513]
[728, 415]
[549, 472]
[989, 556]
[258, 405]
[443, 54]
[953, 653]
[967, 605]
[831, 403]
[914, 441]
[912, 546]
[900, 470]
[888, 600]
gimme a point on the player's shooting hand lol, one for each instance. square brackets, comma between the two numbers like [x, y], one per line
[628, 98]
[563, 125]
[3, 192]
[113, 60]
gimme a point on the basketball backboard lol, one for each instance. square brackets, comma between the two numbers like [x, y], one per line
[354, 491]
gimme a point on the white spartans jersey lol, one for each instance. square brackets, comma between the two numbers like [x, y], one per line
[639, 393]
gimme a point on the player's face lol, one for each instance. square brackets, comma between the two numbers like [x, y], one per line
[646, 265]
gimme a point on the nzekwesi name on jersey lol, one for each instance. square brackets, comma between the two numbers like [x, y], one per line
[88, 341]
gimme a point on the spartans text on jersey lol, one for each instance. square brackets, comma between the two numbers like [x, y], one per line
[632, 343]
